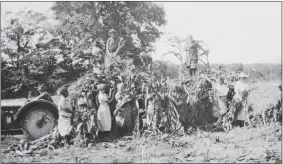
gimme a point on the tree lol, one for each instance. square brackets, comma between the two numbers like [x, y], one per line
[86, 25]
[20, 32]
[31, 55]
[237, 67]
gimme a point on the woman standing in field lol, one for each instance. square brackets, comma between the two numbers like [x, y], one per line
[65, 115]
[221, 90]
[123, 112]
[103, 113]
[240, 97]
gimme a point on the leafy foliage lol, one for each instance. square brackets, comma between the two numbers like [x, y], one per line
[37, 51]
[30, 56]
[86, 25]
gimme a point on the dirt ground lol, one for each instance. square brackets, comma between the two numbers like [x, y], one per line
[261, 144]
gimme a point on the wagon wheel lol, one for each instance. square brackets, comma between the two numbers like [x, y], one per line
[38, 122]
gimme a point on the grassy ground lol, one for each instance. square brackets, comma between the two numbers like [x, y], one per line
[261, 144]
[266, 94]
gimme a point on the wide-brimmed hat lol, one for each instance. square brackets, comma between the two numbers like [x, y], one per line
[101, 87]
[243, 75]
[121, 86]
[154, 85]
[111, 30]
[40, 88]
[221, 78]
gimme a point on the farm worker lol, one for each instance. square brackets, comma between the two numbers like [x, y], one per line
[113, 47]
[103, 113]
[181, 108]
[65, 114]
[43, 95]
[85, 116]
[164, 104]
[123, 111]
[240, 97]
[191, 57]
[221, 91]
[153, 104]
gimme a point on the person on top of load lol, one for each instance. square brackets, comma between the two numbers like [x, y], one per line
[221, 91]
[43, 95]
[241, 89]
[113, 46]
[192, 49]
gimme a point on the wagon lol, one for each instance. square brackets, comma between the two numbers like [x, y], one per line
[36, 118]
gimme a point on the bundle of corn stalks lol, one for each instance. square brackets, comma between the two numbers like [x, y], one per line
[273, 113]
[198, 91]
[235, 105]
[51, 141]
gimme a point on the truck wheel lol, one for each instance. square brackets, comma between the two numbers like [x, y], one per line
[38, 122]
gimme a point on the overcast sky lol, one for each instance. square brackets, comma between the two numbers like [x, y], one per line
[246, 32]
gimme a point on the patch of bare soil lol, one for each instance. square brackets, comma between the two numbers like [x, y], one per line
[261, 144]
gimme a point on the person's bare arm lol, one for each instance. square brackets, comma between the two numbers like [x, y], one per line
[120, 46]
[107, 47]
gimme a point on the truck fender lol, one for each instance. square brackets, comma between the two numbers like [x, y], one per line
[22, 111]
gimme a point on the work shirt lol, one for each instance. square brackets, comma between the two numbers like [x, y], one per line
[240, 87]
[221, 90]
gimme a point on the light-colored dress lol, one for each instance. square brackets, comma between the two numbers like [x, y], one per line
[221, 93]
[112, 44]
[103, 113]
[64, 121]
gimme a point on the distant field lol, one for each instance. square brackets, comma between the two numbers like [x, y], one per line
[266, 94]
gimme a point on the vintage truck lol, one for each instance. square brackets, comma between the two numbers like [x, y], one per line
[35, 117]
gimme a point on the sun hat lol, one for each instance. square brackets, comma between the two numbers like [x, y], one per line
[154, 85]
[121, 86]
[111, 31]
[242, 74]
[101, 87]
[40, 88]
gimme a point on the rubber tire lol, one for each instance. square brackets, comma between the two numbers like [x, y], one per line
[24, 125]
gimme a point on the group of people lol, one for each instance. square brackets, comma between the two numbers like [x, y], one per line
[100, 111]
[224, 98]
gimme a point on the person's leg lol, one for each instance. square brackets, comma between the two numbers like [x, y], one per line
[191, 72]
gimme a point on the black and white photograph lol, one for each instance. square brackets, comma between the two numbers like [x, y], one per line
[141, 82]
